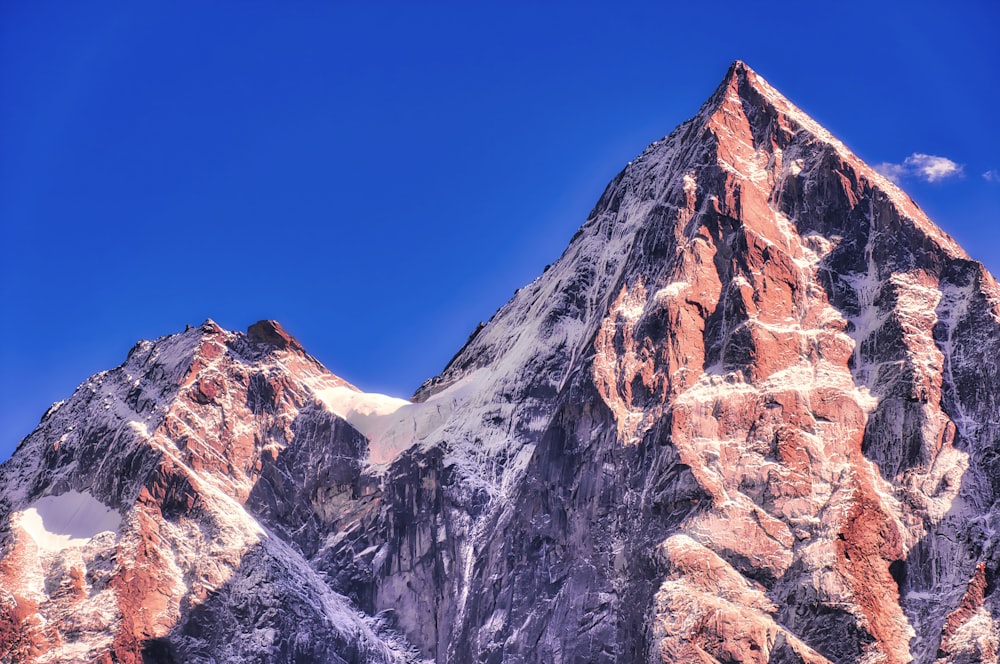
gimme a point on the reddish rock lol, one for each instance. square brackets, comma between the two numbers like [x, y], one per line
[750, 416]
[271, 332]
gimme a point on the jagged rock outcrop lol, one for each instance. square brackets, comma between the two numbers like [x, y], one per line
[748, 416]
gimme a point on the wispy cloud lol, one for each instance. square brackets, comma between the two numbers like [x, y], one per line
[894, 172]
[927, 167]
[992, 175]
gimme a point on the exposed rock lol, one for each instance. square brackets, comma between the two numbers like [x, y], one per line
[271, 332]
[748, 416]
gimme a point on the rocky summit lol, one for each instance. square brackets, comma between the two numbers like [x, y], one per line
[750, 415]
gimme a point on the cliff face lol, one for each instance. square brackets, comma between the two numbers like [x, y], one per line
[748, 416]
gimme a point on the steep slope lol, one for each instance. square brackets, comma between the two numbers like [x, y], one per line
[125, 534]
[748, 416]
[763, 394]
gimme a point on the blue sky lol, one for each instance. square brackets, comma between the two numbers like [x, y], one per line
[380, 177]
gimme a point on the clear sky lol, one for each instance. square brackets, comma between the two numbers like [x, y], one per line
[382, 176]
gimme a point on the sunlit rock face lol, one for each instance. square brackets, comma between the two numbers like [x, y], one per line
[750, 415]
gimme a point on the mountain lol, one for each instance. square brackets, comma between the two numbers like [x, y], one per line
[749, 415]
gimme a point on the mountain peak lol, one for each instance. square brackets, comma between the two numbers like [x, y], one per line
[749, 415]
[271, 332]
[739, 69]
[741, 82]
[752, 119]
[745, 93]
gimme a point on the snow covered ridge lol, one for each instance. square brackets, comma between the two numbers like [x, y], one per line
[749, 415]
[392, 425]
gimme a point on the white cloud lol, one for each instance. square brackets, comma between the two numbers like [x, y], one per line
[931, 168]
[992, 175]
[927, 167]
[894, 172]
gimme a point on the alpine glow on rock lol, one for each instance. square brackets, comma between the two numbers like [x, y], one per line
[750, 415]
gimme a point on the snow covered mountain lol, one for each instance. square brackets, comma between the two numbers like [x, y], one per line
[748, 416]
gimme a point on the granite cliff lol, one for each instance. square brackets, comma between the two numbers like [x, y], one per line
[748, 416]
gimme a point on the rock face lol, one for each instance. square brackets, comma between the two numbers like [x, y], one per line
[748, 416]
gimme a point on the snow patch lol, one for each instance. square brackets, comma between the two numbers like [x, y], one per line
[690, 184]
[68, 520]
[672, 290]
